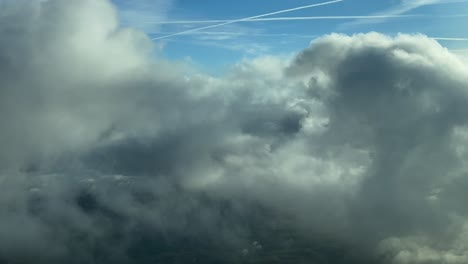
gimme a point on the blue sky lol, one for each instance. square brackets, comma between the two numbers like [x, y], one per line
[218, 47]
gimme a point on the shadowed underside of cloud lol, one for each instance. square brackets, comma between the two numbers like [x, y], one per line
[353, 151]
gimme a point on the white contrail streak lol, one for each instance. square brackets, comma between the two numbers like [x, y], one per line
[240, 34]
[450, 39]
[249, 18]
[285, 19]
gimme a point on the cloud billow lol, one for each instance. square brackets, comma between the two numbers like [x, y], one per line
[353, 151]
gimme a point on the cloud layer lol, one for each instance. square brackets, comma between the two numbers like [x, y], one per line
[353, 151]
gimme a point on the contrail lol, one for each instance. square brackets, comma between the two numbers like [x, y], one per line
[225, 33]
[249, 18]
[295, 35]
[285, 19]
[450, 39]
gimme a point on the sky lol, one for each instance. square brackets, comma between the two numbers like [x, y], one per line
[220, 46]
[128, 136]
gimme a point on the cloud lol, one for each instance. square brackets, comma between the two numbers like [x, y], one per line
[352, 151]
[396, 99]
[463, 53]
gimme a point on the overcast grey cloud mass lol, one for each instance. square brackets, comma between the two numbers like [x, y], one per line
[352, 151]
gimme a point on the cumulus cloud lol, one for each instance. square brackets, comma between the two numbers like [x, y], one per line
[352, 151]
[402, 101]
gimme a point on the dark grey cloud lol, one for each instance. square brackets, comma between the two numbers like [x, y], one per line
[351, 152]
[402, 100]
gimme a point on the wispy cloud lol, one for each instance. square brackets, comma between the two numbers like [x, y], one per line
[249, 18]
[403, 7]
[246, 48]
[284, 19]
[137, 13]
[408, 5]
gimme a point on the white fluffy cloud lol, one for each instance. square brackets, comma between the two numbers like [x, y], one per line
[357, 139]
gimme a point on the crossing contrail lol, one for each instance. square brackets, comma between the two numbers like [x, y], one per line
[285, 19]
[249, 18]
